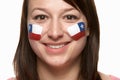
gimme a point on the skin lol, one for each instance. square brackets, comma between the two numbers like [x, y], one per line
[104, 76]
[58, 64]
[61, 63]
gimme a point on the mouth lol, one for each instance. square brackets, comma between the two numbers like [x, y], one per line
[56, 45]
[56, 48]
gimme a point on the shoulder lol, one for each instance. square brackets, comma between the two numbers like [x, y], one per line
[104, 76]
[114, 78]
[108, 77]
[11, 78]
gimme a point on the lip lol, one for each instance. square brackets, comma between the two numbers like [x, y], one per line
[56, 48]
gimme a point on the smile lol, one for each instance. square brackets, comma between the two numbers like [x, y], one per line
[56, 46]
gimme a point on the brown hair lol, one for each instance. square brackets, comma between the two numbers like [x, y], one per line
[25, 58]
[89, 56]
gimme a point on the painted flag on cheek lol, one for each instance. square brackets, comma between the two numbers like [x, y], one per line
[77, 31]
[34, 31]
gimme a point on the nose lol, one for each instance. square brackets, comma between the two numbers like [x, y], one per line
[55, 31]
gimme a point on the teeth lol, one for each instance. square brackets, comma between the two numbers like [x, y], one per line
[56, 46]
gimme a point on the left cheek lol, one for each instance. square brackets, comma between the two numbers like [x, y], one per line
[79, 46]
[77, 30]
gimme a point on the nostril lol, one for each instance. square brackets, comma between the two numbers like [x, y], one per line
[55, 34]
[55, 37]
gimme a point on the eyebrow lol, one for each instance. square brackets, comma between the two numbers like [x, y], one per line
[45, 10]
[42, 9]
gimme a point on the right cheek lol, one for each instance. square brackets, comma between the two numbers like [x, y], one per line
[33, 44]
[45, 30]
[34, 47]
[30, 20]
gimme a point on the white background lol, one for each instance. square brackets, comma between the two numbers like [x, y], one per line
[109, 16]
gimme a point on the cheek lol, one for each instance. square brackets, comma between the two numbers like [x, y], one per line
[81, 44]
[77, 31]
[35, 47]
[78, 47]
[34, 31]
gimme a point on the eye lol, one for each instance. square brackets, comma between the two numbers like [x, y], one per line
[40, 17]
[71, 18]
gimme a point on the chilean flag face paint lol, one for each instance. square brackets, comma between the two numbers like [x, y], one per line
[77, 31]
[34, 31]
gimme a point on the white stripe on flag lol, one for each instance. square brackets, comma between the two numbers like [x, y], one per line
[37, 29]
[74, 29]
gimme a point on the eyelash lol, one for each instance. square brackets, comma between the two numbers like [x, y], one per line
[71, 17]
[40, 17]
[67, 18]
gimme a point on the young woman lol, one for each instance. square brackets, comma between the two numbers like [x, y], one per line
[59, 40]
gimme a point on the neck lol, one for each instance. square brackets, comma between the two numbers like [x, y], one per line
[65, 72]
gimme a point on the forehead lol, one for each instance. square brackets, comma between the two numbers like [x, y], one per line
[49, 4]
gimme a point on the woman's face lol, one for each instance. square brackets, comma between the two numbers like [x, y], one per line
[56, 47]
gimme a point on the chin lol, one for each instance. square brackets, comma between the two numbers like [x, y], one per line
[57, 61]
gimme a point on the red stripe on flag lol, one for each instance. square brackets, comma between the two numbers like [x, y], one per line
[78, 35]
[34, 36]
